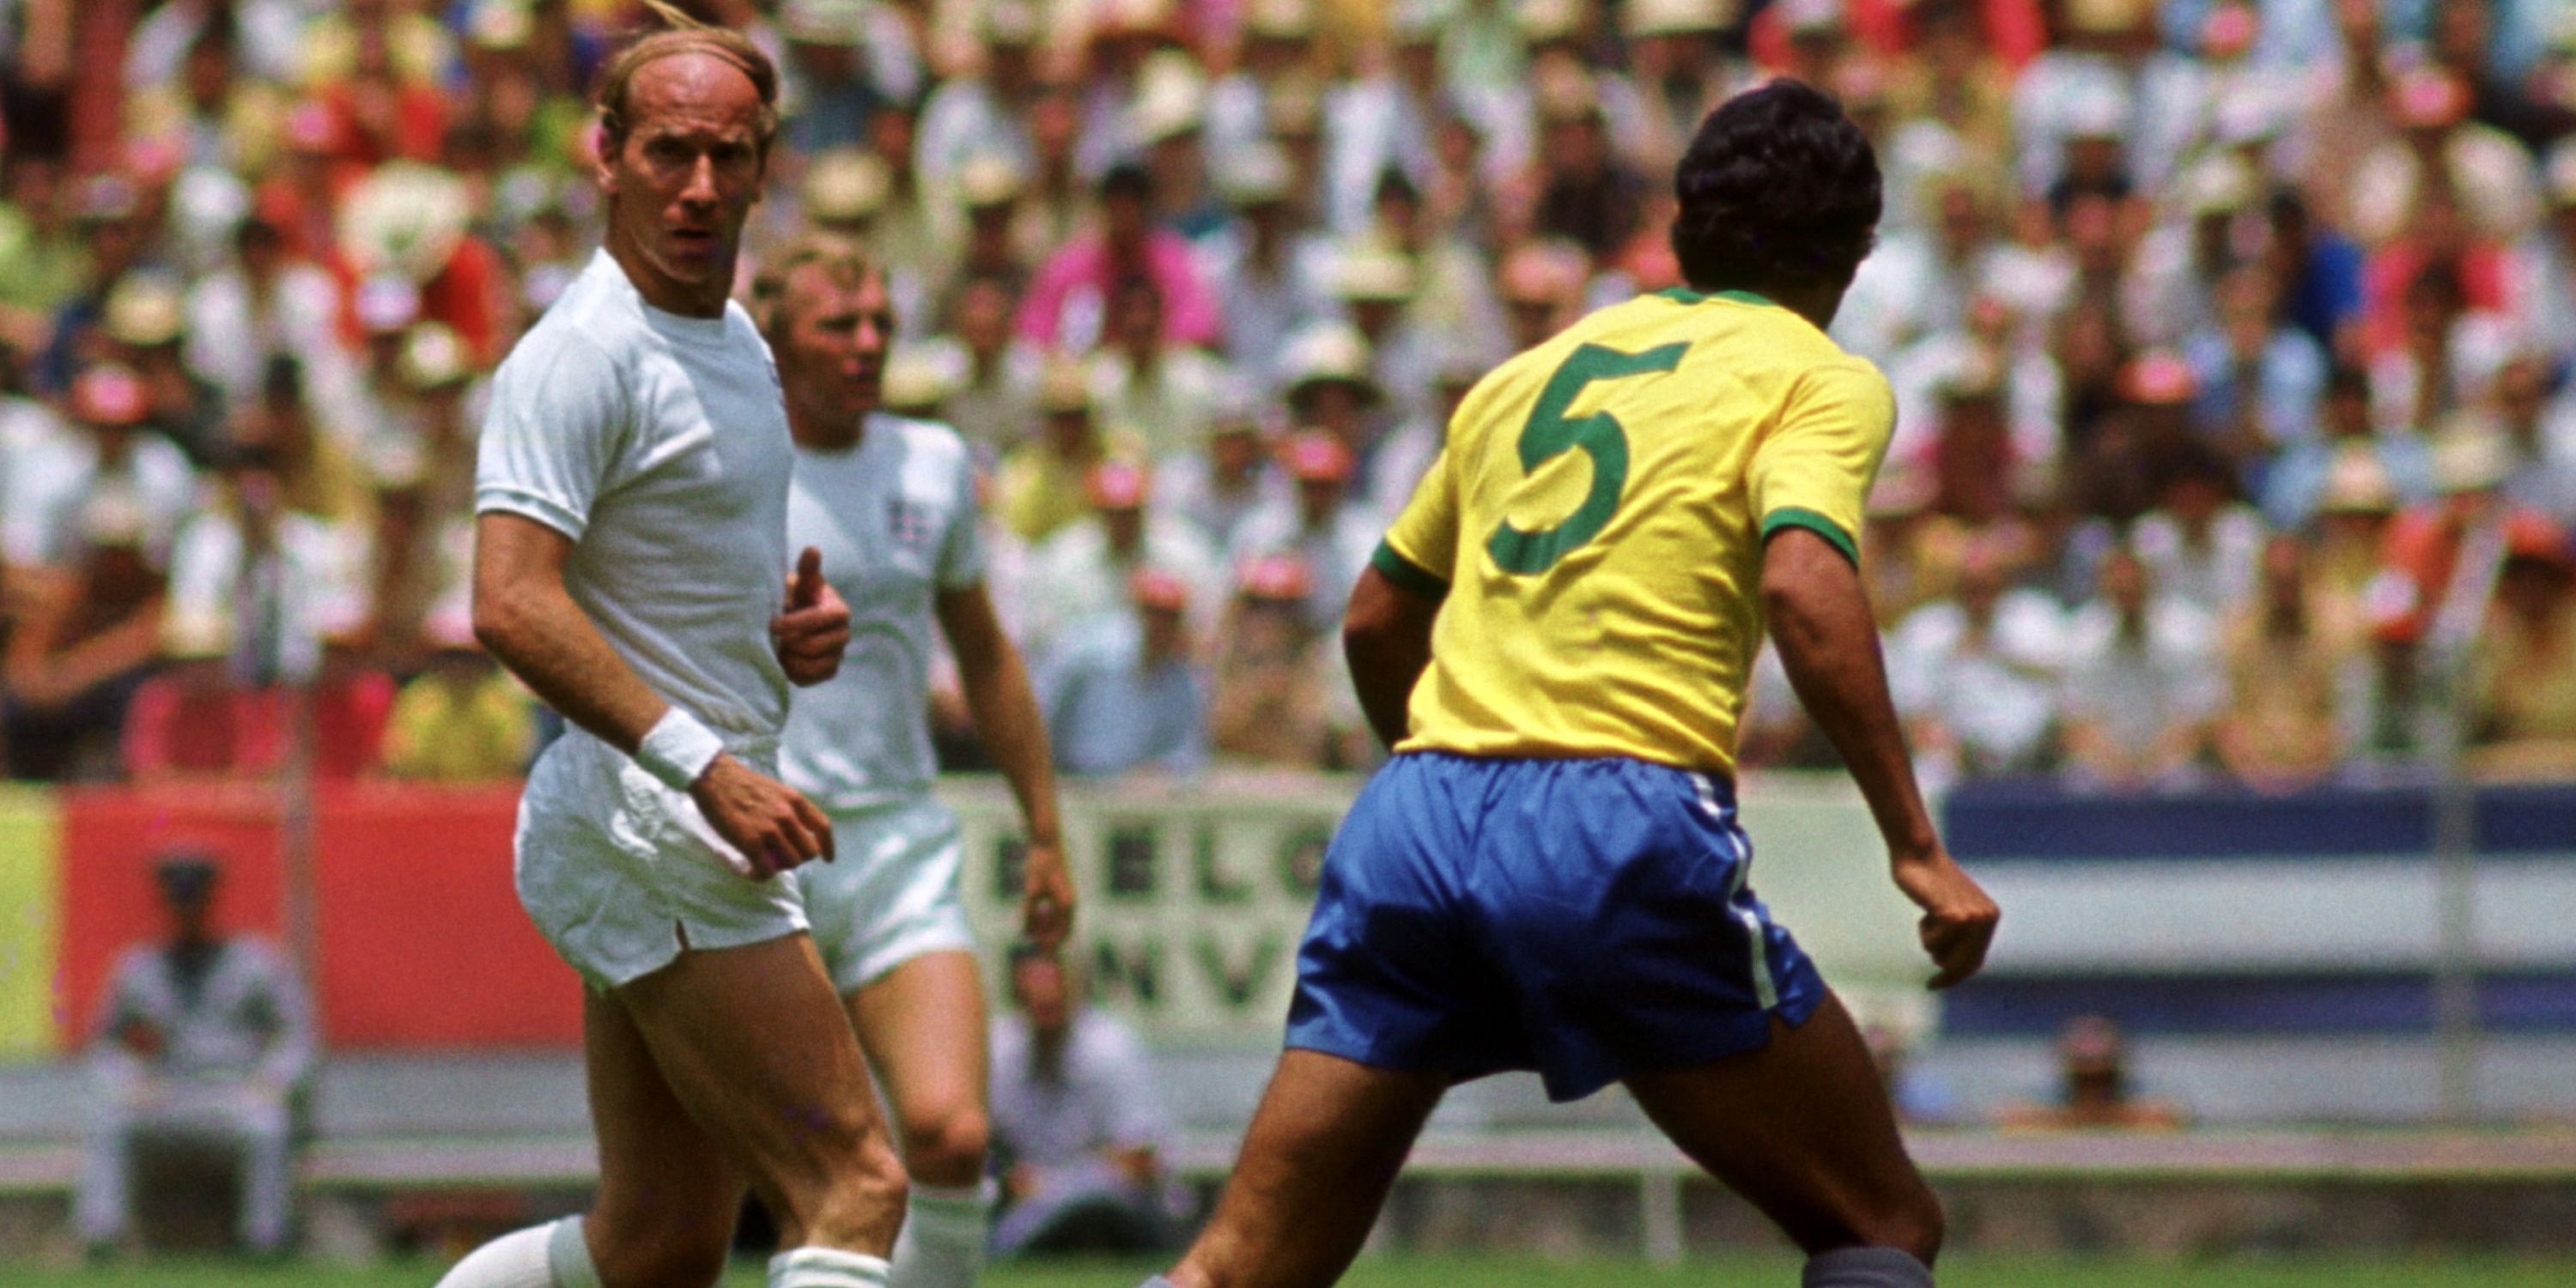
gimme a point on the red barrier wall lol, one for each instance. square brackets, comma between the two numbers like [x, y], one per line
[422, 942]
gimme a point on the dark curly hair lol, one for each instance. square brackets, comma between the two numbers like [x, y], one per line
[1779, 189]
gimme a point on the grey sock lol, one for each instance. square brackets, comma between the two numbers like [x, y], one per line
[1865, 1268]
[1156, 1282]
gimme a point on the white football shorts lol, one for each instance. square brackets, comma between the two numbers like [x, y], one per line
[891, 896]
[621, 873]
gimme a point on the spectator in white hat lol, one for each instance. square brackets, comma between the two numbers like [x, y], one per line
[845, 58]
[51, 471]
[1268, 274]
[1229, 476]
[1278, 44]
[983, 109]
[2142, 681]
[2439, 150]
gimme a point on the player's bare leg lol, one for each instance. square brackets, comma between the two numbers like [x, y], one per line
[752, 1044]
[668, 1193]
[1803, 1130]
[922, 1025]
[1324, 1146]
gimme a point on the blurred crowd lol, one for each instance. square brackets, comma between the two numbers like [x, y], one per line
[2232, 342]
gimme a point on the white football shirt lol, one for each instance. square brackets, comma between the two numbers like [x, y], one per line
[658, 443]
[895, 519]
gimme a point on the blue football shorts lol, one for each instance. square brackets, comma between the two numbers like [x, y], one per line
[1588, 919]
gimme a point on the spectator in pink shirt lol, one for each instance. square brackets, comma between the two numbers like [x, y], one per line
[1066, 306]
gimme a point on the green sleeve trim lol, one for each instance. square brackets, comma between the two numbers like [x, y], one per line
[1790, 516]
[1407, 574]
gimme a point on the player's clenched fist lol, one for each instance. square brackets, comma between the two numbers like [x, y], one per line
[1958, 918]
[773, 826]
[814, 631]
[1046, 904]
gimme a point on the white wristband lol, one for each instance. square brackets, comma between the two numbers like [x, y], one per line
[677, 749]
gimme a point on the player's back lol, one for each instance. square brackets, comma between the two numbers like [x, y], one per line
[1597, 518]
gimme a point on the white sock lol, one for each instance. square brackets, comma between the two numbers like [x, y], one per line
[545, 1256]
[1865, 1268]
[568, 1255]
[942, 1244]
[811, 1267]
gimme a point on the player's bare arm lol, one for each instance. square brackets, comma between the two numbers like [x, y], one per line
[813, 631]
[523, 614]
[1386, 638]
[1821, 623]
[1005, 707]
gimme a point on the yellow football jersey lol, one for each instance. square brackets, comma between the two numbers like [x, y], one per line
[1596, 519]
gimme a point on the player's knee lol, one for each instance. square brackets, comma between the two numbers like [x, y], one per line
[862, 1205]
[945, 1145]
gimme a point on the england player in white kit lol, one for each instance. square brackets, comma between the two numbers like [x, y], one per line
[630, 563]
[890, 502]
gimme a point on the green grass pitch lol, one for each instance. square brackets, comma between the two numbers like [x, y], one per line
[1732, 1271]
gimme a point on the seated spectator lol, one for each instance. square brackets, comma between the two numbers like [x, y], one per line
[2440, 558]
[1587, 192]
[1377, 286]
[2094, 1088]
[2142, 682]
[1331, 388]
[1068, 302]
[262, 304]
[1976, 676]
[464, 720]
[998, 399]
[146, 325]
[322, 480]
[2544, 472]
[1163, 392]
[1406, 453]
[2260, 377]
[2286, 655]
[1279, 700]
[201, 1041]
[52, 471]
[1267, 270]
[1041, 481]
[2293, 486]
[2522, 679]
[1082, 571]
[277, 579]
[1327, 530]
[87, 635]
[1540, 284]
[1077, 1130]
[2199, 541]
[1120, 691]
[1227, 478]
[2445, 358]
[2350, 528]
